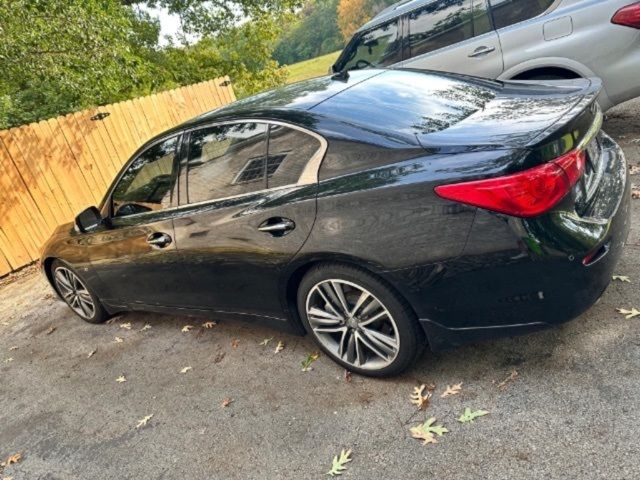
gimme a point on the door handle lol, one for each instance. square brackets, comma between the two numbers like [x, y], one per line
[277, 226]
[159, 240]
[480, 51]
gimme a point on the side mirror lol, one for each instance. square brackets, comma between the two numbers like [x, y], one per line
[88, 220]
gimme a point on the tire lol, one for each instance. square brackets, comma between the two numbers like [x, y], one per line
[76, 293]
[366, 340]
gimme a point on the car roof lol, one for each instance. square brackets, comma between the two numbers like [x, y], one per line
[393, 11]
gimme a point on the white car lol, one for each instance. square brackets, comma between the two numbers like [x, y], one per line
[508, 40]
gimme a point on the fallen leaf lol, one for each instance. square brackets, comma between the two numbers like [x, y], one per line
[628, 313]
[118, 340]
[15, 458]
[13, 348]
[51, 330]
[234, 343]
[425, 431]
[146, 327]
[226, 402]
[121, 379]
[219, 357]
[512, 376]
[621, 278]
[470, 416]
[452, 390]
[10, 359]
[634, 169]
[339, 462]
[635, 191]
[306, 363]
[419, 398]
[91, 353]
[266, 341]
[185, 369]
[187, 328]
[144, 421]
[347, 376]
[279, 347]
[209, 325]
[126, 326]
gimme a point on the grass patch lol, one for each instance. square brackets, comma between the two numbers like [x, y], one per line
[314, 67]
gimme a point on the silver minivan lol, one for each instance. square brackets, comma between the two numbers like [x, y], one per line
[508, 40]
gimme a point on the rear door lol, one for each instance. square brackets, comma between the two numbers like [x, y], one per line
[453, 37]
[247, 207]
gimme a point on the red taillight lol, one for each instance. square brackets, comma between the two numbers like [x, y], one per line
[628, 16]
[524, 194]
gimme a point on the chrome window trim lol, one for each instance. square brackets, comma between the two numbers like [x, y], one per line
[311, 171]
[309, 175]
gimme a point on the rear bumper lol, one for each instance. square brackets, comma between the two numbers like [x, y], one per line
[517, 276]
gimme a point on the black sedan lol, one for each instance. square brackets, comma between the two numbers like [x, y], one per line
[379, 211]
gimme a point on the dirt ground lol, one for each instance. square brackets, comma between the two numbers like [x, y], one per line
[571, 412]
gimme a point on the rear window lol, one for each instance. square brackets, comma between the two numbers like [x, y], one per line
[408, 102]
[376, 48]
[508, 12]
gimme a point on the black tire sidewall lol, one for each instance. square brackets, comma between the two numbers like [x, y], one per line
[100, 315]
[412, 340]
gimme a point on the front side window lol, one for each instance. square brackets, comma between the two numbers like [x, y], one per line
[508, 12]
[376, 48]
[289, 153]
[225, 161]
[147, 184]
[439, 25]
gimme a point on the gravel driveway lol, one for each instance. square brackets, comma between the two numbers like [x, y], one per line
[572, 411]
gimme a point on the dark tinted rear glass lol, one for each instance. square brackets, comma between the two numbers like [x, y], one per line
[376, 48]
[508, 12]
[408, 102]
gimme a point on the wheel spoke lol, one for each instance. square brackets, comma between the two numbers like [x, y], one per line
[373, 348]
[377, 316]
[384, 342]
[328, 302]
[371, 307]
[337, 287]
[363, 298]
[359, 352]
[62, 280]
[328, 329]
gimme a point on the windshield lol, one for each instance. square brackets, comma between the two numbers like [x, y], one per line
[375, 48]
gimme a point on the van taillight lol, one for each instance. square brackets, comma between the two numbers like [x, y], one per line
[525, 194]
[628, 16]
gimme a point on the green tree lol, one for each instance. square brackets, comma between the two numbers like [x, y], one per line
[314, 33]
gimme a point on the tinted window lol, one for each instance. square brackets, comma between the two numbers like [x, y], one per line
[226, 160]
[289, 153]
[508, 12]
[481, 17]
[147, 183]
[375, 48]
[439, 25]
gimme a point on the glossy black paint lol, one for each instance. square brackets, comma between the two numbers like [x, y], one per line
[392, 136]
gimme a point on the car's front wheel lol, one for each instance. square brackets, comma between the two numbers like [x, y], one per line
[358, 320]
[77, 294]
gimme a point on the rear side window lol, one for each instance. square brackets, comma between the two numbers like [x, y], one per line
[226, 160]
[289, 153]
[439, 25]
[376, 48]
[508, 12]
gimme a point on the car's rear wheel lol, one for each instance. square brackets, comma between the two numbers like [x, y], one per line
[359, 321]
[75, 292]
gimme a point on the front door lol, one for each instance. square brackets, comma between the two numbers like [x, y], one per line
[248, 205]
[453, 37]
[135, 255]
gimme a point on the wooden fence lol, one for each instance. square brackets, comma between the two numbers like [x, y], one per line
[53, 169]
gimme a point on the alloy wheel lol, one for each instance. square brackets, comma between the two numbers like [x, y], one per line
[352, 324]
[74, 292]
